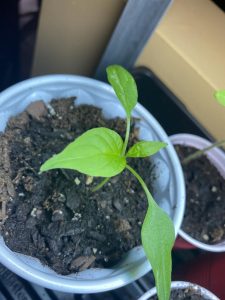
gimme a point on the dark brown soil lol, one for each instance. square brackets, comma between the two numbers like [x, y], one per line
[55, 216]
[185, 294]
[204, 217]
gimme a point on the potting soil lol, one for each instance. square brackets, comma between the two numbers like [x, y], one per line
[55, 216]
[204, 217]
[184, 294]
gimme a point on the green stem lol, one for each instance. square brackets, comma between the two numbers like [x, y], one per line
[202, 151]
[143, 184]
[126, 137]
[98, 186]
[157, 235]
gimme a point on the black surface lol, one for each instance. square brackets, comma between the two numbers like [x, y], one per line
[9, 43]
[164, 106]
[13, 287]
[220, 3]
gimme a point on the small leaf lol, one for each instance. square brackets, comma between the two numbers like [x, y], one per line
[158, 239]
[95, 153]
[220, 97]
[145, 148]
[124, 86]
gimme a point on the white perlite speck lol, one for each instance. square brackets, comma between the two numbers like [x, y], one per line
[51, 109]
[77, 181]
[89, 180]
[205, 237]
[33, 212]
[95, 250]
[214, 189]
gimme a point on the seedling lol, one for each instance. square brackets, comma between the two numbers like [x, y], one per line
[220, 97]
[102, 152]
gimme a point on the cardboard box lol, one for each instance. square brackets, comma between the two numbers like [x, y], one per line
[187, 52]
[73, 34]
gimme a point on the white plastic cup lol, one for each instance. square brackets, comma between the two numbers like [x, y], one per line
[217, 158]
[180, 285]
[169, 186]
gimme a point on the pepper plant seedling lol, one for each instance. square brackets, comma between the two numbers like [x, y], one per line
[102, 152]
[220, 98]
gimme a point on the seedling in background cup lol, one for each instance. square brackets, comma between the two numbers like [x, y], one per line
[220, 97]
[102, 152]
[210, 239]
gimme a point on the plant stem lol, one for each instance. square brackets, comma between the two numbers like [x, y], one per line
[202, 151]
[104, 181]
[141, 181]
[157, 235]
[126, 137]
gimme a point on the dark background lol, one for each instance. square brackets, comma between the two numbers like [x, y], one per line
[17, 40]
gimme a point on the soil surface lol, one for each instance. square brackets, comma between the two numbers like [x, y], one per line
[185, 294]
[204, 217]
[55, 216]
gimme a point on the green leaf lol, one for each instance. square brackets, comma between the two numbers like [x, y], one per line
[124, 86]
[95, 153]
[145, 148]
[220, 97]
[157, 239]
